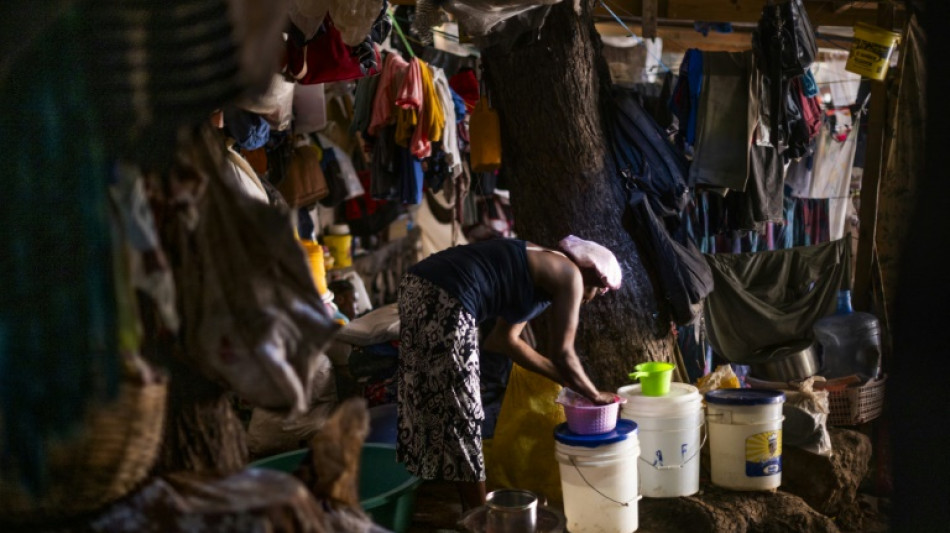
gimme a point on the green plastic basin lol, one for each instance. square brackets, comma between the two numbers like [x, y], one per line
[387, 490]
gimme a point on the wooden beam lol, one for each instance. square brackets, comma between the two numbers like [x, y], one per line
[844, 5]
[649, 19]
[679, 39]
[871, 181]
[820, 12]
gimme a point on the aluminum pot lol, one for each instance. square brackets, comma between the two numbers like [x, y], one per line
[787, 362]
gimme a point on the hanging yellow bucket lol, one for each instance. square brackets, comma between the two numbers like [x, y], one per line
[871, 51]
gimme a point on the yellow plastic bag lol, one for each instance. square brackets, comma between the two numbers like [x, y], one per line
[521, 454]
[722, 378]
[485, 138]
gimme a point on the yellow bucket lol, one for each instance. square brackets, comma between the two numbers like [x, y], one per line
[871, 51]
[340, 246]
[315, 258]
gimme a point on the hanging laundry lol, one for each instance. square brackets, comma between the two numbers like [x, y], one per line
[339, 117]
[385, 178]
[724, 128]
[390, 81]
[431, 117]
[363, 103]
[410, 176]
[239, 174]
[248, 129]
[351, 181]
[465, 84]
[324, 59]
[763, 199]
[760, 104]
[275, 104]
[450, 142]
[832, 165]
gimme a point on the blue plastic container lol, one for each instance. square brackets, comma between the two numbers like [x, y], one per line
[850, 341]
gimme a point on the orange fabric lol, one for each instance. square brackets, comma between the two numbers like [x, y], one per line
[257, 159]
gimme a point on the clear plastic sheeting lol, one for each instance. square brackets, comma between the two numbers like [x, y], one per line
[479, 17]
[353, 18]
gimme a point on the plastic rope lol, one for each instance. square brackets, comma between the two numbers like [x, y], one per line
[640, 39]
[399, 32]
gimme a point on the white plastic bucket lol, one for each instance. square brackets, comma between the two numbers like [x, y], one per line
[599, 479]
[745, 438]
[670, 438]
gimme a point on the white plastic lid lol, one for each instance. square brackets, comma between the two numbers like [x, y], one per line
[683, 398]
[340, 229]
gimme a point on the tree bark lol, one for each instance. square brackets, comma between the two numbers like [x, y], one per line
[203, 433]
[548, 90]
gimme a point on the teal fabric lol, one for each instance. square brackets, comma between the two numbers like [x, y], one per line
[57, 305]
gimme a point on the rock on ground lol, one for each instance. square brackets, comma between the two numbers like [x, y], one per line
[716, 510]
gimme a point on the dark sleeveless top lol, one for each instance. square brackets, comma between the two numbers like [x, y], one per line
[490, 279]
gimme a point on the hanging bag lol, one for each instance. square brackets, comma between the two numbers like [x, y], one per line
[305, 183]
[485, 138]
[652, 175]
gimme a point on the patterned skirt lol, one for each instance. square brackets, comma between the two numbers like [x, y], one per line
[440, 409]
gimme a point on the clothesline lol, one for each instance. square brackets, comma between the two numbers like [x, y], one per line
[634, 35]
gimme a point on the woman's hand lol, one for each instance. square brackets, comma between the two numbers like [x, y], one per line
[604, 398]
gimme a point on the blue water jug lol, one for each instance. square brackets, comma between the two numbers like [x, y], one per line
[850, 341]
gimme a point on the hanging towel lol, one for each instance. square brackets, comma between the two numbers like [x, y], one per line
[450, 141]
[410, 93]
[390, 80]
[767, 298]
[431, 118]
[723, 131]
[830, 175]
[363, 103]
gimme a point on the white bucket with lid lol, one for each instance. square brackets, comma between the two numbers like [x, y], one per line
[670, 436]
[599, 478]
[745, 438]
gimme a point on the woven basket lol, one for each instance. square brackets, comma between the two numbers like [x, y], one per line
[856, 405]
[111, 456]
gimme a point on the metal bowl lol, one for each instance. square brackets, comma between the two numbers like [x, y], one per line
[787, 362]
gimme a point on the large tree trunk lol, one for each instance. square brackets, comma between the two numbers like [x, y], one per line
[548, 91]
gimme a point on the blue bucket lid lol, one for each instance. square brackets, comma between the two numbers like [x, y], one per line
[745, 396]
[618, 434]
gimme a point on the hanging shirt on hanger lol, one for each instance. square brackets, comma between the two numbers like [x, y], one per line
[450, 142]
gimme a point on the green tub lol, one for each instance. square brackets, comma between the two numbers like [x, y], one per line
[387, 490]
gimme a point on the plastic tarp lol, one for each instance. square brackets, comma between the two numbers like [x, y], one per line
[767, 298]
